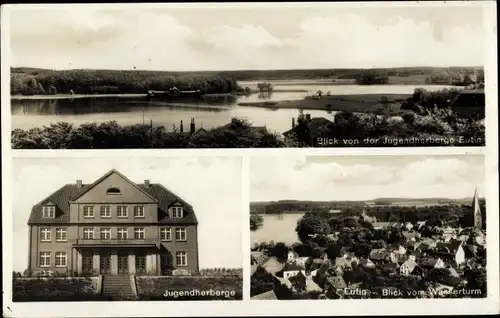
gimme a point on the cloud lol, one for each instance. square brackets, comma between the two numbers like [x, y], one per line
[214, 192]
[277, 178]
[146, 39]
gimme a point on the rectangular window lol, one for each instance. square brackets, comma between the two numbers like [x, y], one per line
[88, 234]
[105, 233]
[139, 233]
[61, 258]
[180, 234]
[121, 211]
[105, 211]
[165, 234]
[49, 212]
[61, 235]
[177, 212]
[88, 211]
[45, 234]
[181, 258]
[44, 259]
[122, 233]
[138, 211]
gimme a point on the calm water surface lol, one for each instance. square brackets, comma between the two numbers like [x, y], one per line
[279, 228]
[208, 113]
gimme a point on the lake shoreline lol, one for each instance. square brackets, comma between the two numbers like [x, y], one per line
[362, 103]
[69, 96]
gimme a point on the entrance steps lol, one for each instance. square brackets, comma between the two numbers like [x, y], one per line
[118, 287]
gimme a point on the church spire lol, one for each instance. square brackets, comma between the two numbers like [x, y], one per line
[478, 220]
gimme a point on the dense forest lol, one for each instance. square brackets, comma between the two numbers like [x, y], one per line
[33, 81]
[48, 82]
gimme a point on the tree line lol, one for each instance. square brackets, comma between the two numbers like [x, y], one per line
[49, 82]
[111, 135]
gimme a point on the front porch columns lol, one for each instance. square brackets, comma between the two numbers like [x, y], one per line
[151, 260]
[79, 261]
[96, 261]
[158, 264]
[114, 262]
[131, 263]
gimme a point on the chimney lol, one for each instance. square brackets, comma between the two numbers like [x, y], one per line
[192, 126]
[78, 184]
[146, 183]
[293, 122]
[308, 117]
[182, 127]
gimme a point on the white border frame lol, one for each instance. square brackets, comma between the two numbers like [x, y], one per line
[268, 308]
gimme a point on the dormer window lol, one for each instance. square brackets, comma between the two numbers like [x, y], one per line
[49, 212]
[113, 191]
[177, 212]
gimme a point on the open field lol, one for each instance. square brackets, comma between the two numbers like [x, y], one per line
[363, 103]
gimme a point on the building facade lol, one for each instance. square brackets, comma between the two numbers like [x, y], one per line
[113, 226]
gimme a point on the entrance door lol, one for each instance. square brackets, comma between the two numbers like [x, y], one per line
[105, 264]
[140, 263]
[87, 263]
[122, 264]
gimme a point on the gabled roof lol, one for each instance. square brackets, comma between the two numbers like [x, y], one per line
[266, 296]
[291, 267]
[62, 197]
[316, 124]
[110, 172]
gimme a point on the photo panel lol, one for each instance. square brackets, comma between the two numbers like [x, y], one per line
[362, 227]
[143, 229]
[325, 76]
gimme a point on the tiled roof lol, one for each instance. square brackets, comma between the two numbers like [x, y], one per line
[266, 296]
[61, 199]
[316, 125]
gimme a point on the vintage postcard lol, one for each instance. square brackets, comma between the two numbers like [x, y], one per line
[229, 76]
[368, 227]
[126, 229]
[176, 159]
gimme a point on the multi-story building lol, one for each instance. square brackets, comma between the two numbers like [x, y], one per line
[113, 226]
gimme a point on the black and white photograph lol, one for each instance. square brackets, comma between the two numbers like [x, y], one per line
[229, 76]
[359, 227]
[126, 229]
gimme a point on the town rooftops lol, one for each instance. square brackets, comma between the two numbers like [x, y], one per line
[379, 254]
[316, 125]
[61, 200]
[269, 295]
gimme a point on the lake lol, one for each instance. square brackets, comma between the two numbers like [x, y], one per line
[279, 228]
[208, 112]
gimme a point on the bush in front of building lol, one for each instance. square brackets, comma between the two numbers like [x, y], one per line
[54, 289]
[190, 288]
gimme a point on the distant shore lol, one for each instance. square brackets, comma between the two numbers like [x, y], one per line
[73, 96]
[363, 103]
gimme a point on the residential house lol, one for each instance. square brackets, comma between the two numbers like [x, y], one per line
[368, 218]
[311, 286]
[432, 262]
[366, 263]
[113, 226]
[337, 282]
[257, 257]
[318, 127]
[408, 226]
[397, 249]
[292, 256]
[272, 265]
[284, 281]
[407, 267]
[411, 236]
[301, 261]
[289, 270]
[451, 251]
[415, 256]
[298, 281]
[380, 255]
[269, 295]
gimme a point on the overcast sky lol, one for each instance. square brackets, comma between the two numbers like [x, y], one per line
[365, 178]
[220, 37]
[212, 185]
